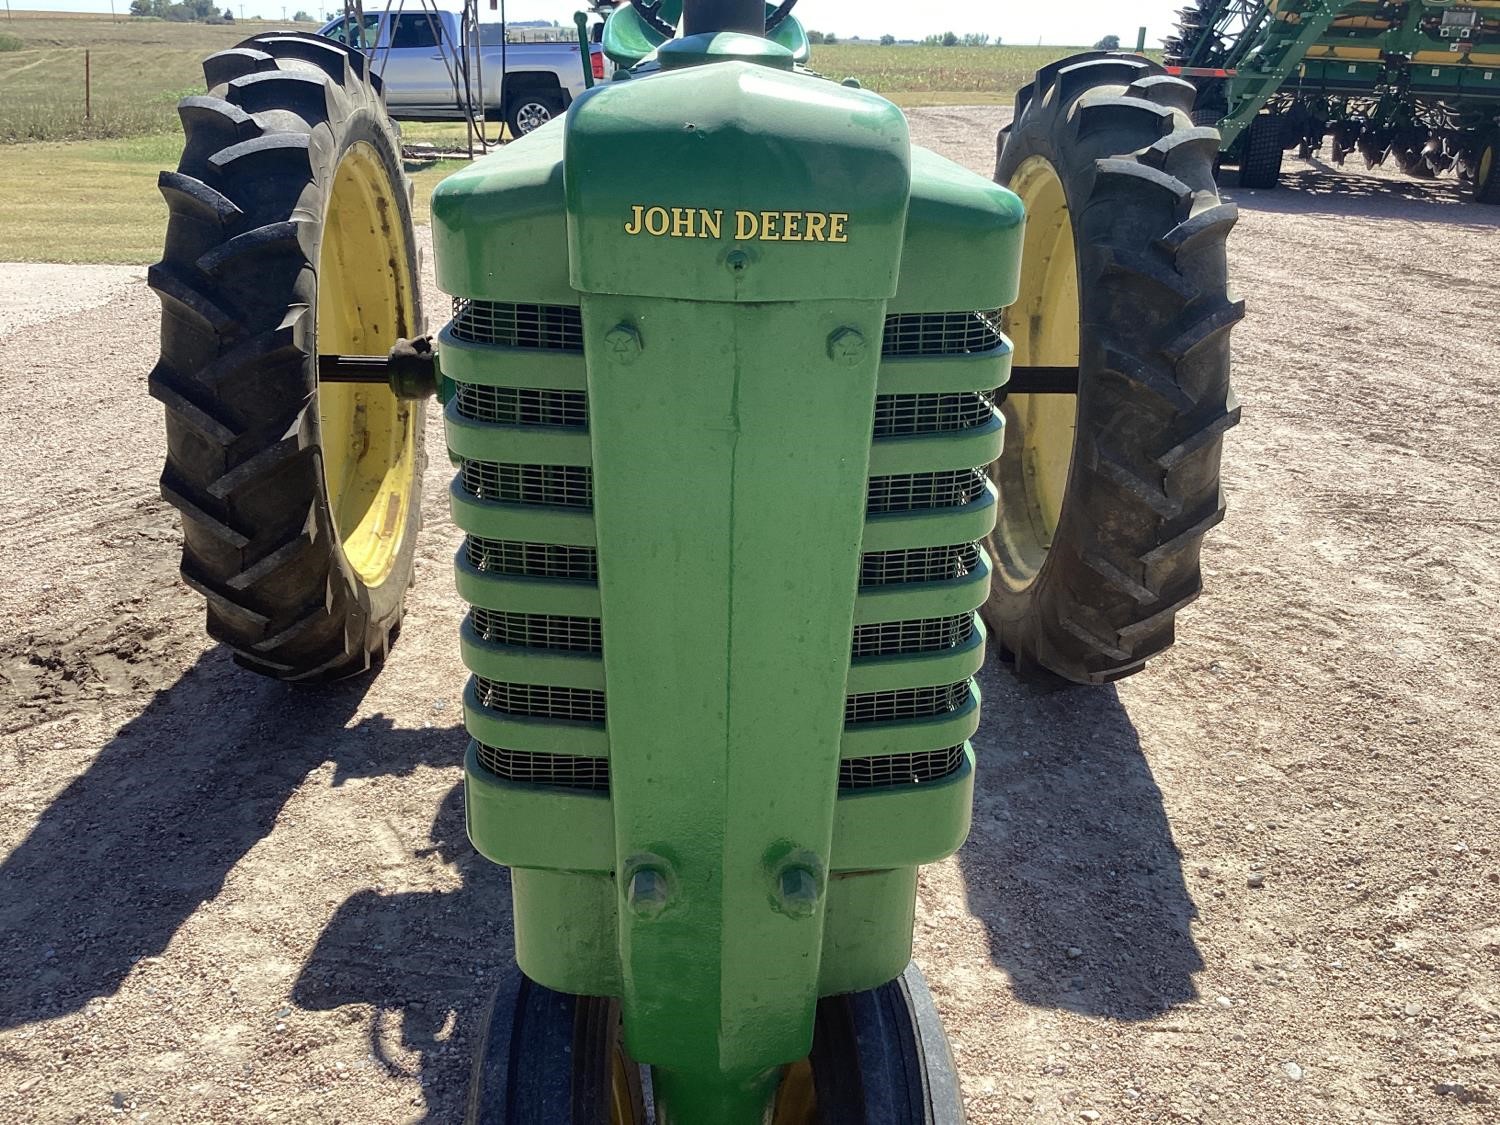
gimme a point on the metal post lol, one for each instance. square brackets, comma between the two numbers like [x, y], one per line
[581, 19]
[1140, 40]
[699, 16]
[88, 92]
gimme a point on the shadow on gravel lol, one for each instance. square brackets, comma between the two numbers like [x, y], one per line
[129, 850]
[1071, 864]
[1327, 189]
[426, 961]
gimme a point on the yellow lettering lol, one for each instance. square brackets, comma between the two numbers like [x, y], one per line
[817, 223]
[712, 223]
[657, 221]
[746, 226]
[768, 220]
[836, 232]
[789, 231]
[634, 226]
[683, 222]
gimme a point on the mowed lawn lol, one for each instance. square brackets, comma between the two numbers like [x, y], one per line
[84, 190]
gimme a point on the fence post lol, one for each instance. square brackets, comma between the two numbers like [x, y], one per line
[88, 89]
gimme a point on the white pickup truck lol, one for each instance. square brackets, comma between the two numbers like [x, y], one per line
[418, 55]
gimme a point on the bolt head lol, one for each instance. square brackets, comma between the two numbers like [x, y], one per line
[846, 347]
[648, 894]
[798, 891]
[623, 342]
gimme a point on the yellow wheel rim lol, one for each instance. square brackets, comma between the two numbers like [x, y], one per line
[1486, 166]
[1032, 473]
[366, 301]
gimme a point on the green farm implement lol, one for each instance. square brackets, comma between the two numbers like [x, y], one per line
[764, 420]
[1416, 83]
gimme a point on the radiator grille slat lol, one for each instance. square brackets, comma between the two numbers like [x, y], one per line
[898, 638]
[551, 327]
[522, 406]
[890, 770]
[907, 415]
[562, 770]
[918, 564]
[947, 333]
[907, 703]
[541, 701]
[538, 630]
[909, 492]
[567, 486]
[532, 560]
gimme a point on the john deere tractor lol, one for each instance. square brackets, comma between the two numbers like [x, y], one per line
[764, 421]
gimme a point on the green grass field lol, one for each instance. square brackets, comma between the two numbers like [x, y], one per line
[84, 190]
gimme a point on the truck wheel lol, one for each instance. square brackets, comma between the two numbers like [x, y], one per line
[1260, 163]
[289, 236]
[1106, 495]
[1487, 174]
[529, 111]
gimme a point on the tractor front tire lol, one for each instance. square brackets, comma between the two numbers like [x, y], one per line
[1106, 495]
[290, 235]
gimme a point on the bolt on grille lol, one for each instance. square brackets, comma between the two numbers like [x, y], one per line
[889, 770]
[553, 327]
[532, 560]
[908, 703]
[948, 333]
[918, 564]
[902, 415]
[523, 406]
[542, 701]
[538, 630]
[897, 638]
[909, 492]
[568, 486]
[563, 770]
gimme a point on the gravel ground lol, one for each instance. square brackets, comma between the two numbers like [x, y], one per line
[1256, 883]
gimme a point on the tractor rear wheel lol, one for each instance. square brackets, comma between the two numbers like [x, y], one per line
[1107, 494]
[879, 1058]
[1262, 155]
[290, 236]
[1487, 173]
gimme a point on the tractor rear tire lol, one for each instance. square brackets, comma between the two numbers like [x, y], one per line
[290, 233]
[1260, 163]
[1487, 174]
[1106, 497]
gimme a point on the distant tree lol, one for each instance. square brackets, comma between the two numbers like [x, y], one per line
[976, 39]
[302, 17]
[830, 38]
[140, 7]
[1108, 43]
[887, 40]
[815, 37]
[228, 16]
[949, 39]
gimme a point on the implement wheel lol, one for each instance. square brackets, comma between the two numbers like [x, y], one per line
[289, 235]
[879, 1058]
[1262, 153]
[1487, 173]
[1106, 495]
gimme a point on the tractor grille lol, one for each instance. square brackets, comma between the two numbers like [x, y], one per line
[542, 701]
[567, 486]
[908, 703]
[918, 564]
[563, 770]
[910, 492]
[950, 333]
[899, 638]
[523, 406]
[890, 770]
[553, 327]
[532, 560]
[905, 415]
[538, 630]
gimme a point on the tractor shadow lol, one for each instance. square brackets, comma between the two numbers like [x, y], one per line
[1318, 187]
[1071, 864]
[130, 849]
[424, 961]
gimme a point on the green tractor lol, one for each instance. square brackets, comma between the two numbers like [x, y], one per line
[1415, 83]
[726, 380]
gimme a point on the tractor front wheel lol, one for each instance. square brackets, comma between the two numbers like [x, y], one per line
[1106, 493]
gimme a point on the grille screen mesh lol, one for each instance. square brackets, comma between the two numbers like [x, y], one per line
[918, 564]
[542, 701]
[914, 491]
[899, 769]
[894, 638]
[538, 630]
[532, 560]
[568, 486]
[908, 703]
[522, 406]
[563, 770]
[554, 327]
[903, 415]
[951, 333]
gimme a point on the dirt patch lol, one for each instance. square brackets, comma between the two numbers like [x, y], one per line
[1256, 883]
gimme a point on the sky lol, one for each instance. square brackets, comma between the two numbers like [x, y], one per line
[1015, 21]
